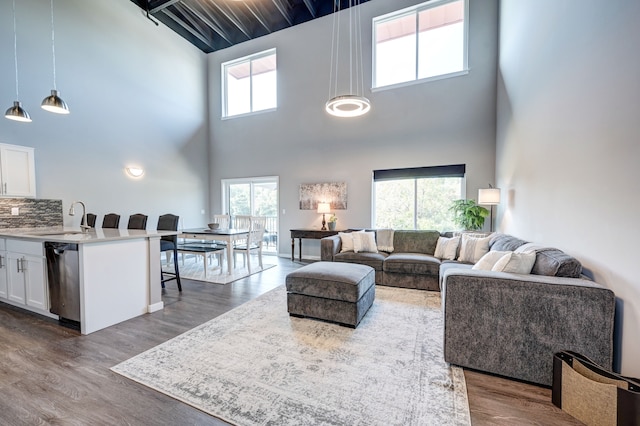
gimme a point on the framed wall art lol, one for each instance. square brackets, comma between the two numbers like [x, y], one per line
[334, 193]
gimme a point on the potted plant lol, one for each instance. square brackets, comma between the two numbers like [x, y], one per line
[332, 222]
[468, 215]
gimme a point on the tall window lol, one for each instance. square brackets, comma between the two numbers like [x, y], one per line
[421, 42]
[250, 84]
[417, 198]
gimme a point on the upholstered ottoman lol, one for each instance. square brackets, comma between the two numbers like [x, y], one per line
[331, 291]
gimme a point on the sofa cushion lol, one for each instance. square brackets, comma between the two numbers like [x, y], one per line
[412, 263]
[447, 248]
[415, 241]
[370, 259]
[515, 263]
[346, 240]
[487, 261]
[364, 242]
[472, 248]
[554, 262]
[504, 242]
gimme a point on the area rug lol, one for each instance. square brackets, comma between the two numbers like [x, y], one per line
[193, 268]
[255, 365]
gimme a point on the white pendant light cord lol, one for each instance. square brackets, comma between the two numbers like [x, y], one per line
[15, 47]
[53, 47]
[335, 35]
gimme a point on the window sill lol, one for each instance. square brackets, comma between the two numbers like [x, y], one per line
[420, 81]
[247, 114]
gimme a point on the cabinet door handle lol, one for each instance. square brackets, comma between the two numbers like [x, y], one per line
[22, 263]
[1, 262]
[5, 188]
[18, 264]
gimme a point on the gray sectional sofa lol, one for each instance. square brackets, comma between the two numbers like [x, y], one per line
[502, 323]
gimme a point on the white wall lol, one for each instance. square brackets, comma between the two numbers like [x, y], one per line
[568, 141]
[137, 94]
[443, 122]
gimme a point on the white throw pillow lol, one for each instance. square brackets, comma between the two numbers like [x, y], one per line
[347, 241]
[515, 263]
[487, 261]
[364, 242]
[472, 249]
[446, 248]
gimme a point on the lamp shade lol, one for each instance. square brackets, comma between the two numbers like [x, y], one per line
[17, 113]
[54, 103]
[489, 196]
[324, 208]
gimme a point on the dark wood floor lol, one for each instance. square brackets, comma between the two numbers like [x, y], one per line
[53, 375]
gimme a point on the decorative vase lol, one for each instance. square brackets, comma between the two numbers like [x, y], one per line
[332, 226]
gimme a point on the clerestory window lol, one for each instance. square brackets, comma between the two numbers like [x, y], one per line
[422, 42]
[250, 84]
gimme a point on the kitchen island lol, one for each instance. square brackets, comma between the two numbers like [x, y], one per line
[119, 272]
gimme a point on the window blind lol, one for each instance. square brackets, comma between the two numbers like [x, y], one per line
[453, 170]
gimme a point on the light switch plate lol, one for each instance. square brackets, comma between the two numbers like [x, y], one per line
[15, 211]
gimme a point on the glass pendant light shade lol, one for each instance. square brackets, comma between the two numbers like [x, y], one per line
[54, 103]
[17, 113]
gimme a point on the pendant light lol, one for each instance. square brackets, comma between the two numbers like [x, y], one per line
[53, 102]
[16, 112]
[352, 104]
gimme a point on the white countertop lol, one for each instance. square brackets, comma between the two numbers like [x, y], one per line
[74, 235]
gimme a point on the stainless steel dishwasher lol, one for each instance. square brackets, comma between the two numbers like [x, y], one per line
[64, 280]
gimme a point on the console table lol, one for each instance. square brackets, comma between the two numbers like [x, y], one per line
[312, 234]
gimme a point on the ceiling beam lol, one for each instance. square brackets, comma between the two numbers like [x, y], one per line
[256, 14]
[234, 19]
[163, 5]
[311, 8]
[210, 21]
[188, 28]
[283, 11]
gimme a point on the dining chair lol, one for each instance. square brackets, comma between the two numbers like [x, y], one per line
[222, 219]
[91, 220]
[137, 221]
[169, 222]
[253, 242]
[111, 220]
[242, 221]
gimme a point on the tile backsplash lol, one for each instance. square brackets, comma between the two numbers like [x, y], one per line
[32, 213]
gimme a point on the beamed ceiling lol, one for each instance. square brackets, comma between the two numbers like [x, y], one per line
[212, 25]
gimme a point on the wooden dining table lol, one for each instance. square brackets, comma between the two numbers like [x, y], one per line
[228, 235]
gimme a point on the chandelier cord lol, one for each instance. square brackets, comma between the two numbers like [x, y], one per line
[15, 47]
[53, 47]
[335, 35]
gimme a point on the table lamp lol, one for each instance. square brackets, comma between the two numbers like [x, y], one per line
[489, 197]
[324, 208]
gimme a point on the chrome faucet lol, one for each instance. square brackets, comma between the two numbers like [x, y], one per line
[83, 226]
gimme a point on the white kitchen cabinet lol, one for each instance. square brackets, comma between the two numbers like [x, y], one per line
[3, 270]
[17, 171]
[26, 283]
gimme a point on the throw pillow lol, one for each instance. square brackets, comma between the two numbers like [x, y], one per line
[515, 263]
[472, 248]
[364, 242]
[347, 241]
[446, 248]
[487, 261]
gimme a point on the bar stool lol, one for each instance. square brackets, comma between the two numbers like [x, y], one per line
[111, 220]
[137, 221]
[169, 222]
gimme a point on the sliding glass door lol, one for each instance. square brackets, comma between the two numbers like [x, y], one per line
[257, 196]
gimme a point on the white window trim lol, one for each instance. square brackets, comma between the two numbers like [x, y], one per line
[398, 13]
[223, 83]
